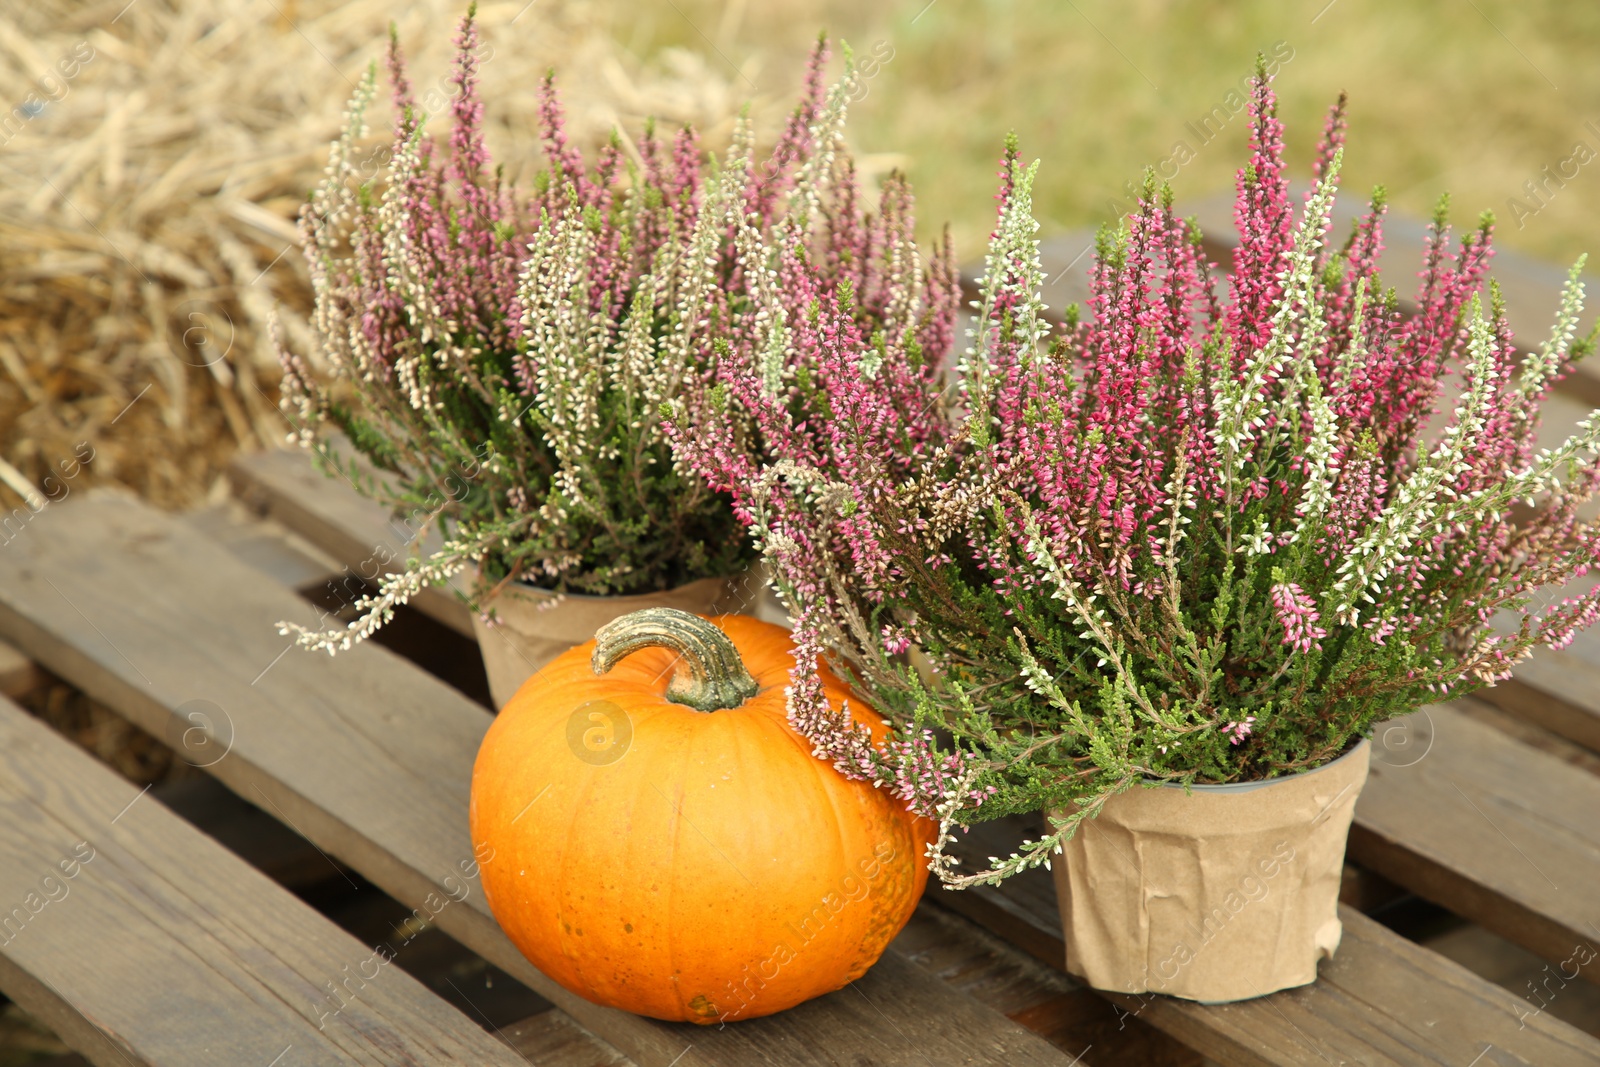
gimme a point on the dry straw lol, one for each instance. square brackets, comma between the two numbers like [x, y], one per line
[152, 157]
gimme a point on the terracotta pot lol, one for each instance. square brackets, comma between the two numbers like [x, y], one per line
[1225, 893]
[533, 627]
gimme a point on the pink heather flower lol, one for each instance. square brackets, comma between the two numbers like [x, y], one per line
[552, 340]
[1573, 614]
[1379, 629]
[920, 776]
[1238, 731]
[895, 640]
[1298, 614]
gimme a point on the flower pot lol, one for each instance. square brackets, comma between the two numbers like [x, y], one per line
[533, 626]
[1224, 893]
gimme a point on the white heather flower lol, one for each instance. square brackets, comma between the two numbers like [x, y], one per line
[373, 610]
[1415, 508]
[1013, 252]
[1539, 367]
[1317, 493]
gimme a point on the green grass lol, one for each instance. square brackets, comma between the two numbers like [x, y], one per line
[1472, 97]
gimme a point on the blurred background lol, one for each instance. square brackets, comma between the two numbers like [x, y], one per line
[153, 154]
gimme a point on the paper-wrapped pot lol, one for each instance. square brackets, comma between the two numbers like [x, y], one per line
[1223, 893]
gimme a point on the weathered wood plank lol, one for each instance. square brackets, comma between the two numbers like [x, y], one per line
[1557, 690]
[371, 759]
[140, 940]
[1530, 733]
[552, 1039]
[1381, 1002]
[265, 544]
[1492, 829]
[17, 672]
[956, 950]
[947, 945]
[1042, 998]
[545, 1035]
[1384, 1000]
[248, 832]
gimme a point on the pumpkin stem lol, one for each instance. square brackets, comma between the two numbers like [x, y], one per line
[710, 675]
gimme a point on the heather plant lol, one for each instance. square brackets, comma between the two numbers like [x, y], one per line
[1179, 539]
[502, 361]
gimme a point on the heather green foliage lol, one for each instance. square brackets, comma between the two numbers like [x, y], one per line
[1186, 539]
[512, 359]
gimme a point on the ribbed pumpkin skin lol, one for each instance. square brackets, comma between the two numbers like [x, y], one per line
[716, 871]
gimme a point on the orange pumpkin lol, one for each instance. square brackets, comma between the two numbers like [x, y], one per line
[686, 864]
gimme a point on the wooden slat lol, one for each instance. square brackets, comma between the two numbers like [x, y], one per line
[1044, 999]
[248, 832]
[1530, 733]
[388, 798]
[1382, 1001]
[545, 1035]
[552, 1039]
[1558, 691]
[371, 759]
[1486, 826]
[357, 532]
[947, 945]
[266, 545]
[17, 672]
[164, 948]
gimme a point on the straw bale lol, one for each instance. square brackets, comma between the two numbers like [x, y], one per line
[152, 157]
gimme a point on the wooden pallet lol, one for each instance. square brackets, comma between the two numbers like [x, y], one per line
[367, 756]
[1275, 1030]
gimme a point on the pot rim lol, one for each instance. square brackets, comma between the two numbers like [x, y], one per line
[1261, 783]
